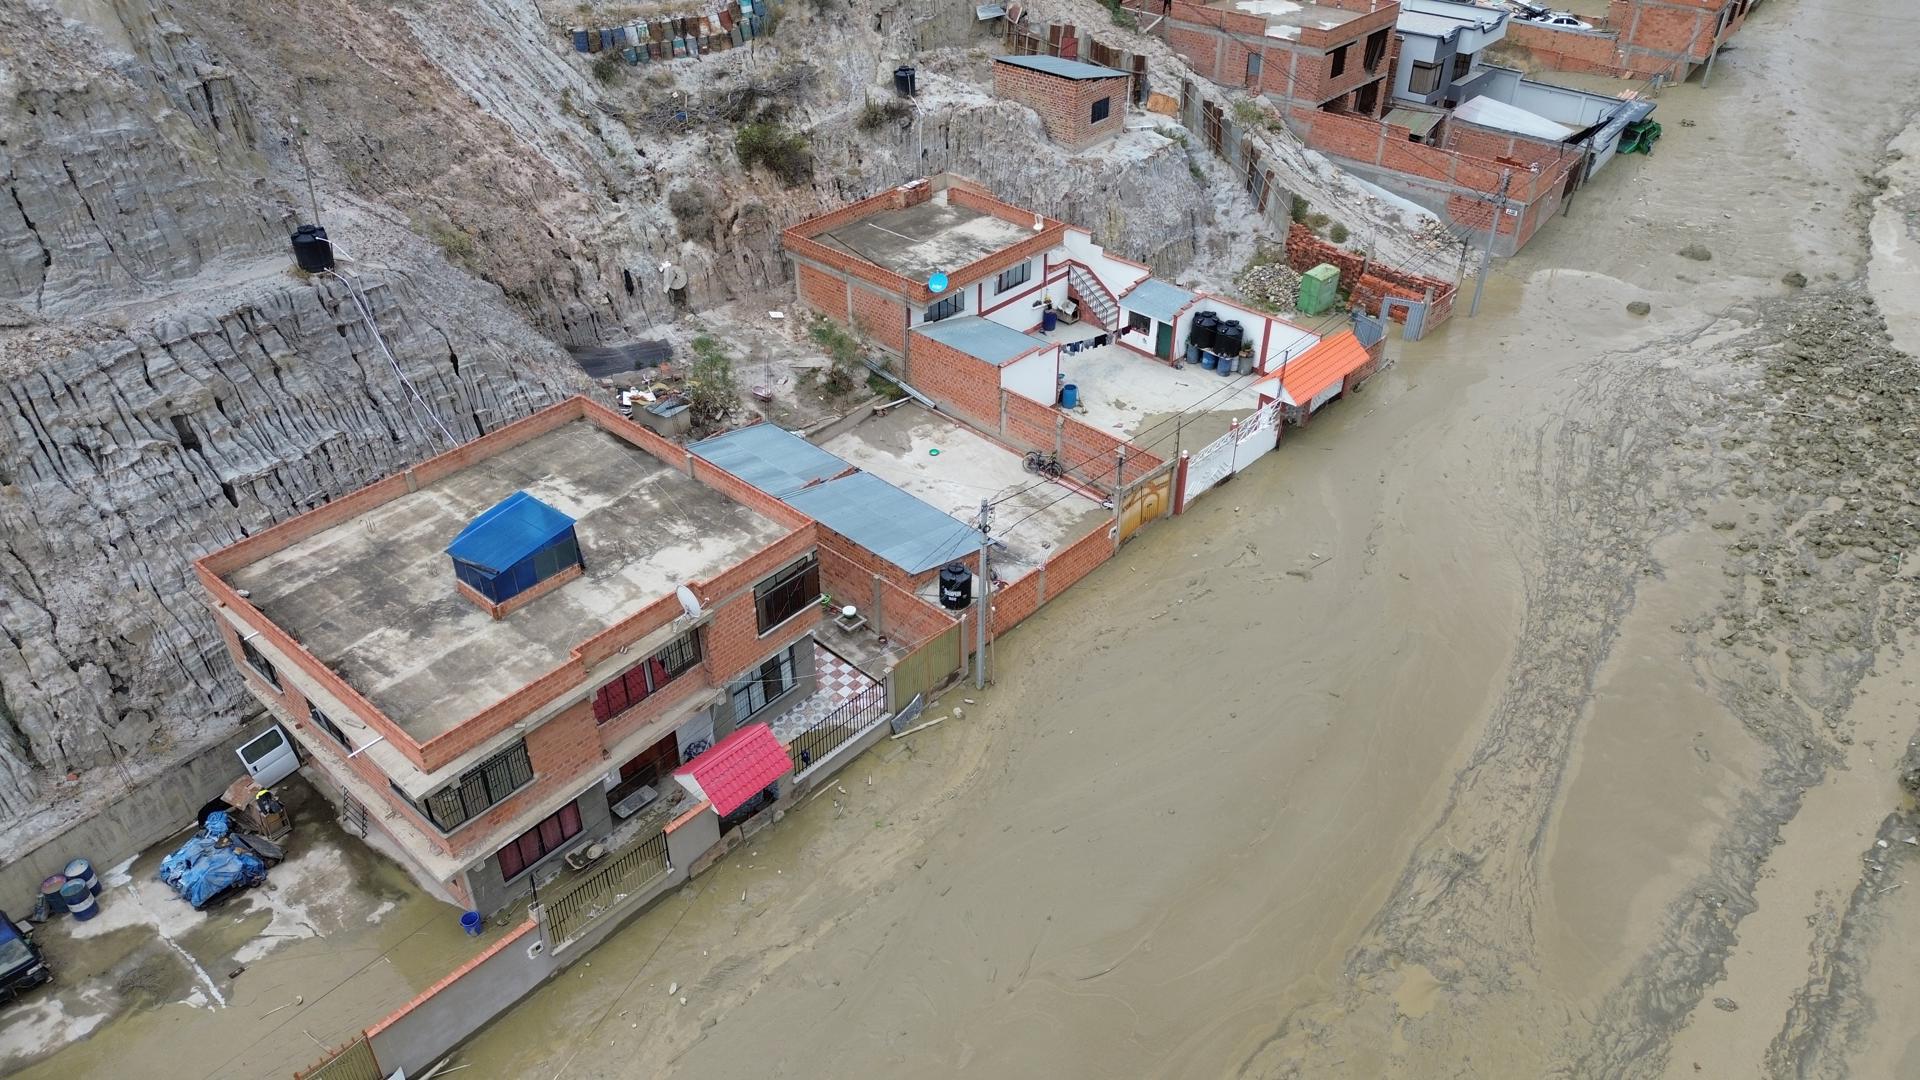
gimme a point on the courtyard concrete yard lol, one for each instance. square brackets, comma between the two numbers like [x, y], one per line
[1135, 397]
[252, 988]
[950, 466]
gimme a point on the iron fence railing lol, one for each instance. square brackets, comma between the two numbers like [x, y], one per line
[631, 870]
[849, 721]
[353, 1061]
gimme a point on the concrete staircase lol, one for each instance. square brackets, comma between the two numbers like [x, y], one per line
[1098, 303]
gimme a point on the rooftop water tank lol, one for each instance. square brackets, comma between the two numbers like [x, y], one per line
[1202, 331]
[312, 251]
[1228, 337]
[903, 81]
[956, 586]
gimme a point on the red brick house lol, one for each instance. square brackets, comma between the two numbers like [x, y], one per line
[1338, 56]
[485, 738]
[1080, 104]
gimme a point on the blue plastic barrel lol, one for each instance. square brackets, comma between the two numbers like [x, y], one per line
[78, 900]
[470, 922]
[82, 871]
[579, 39]
[1069, 396]
[1048, 320]
[50, 892]
[1208, 359]
[1228, 364]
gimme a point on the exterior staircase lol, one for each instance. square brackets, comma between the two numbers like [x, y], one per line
[1096, 302]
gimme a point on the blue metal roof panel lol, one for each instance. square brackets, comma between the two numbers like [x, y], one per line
[887, 521]
[1066, 69]
[1157, 300]
[510, 530]
[774, 460]
[981, 338]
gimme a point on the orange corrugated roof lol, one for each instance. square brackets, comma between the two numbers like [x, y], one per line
[1324, 365]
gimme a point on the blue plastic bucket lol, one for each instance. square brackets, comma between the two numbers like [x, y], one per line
[82, 871]
[50, 892]
[1069, 396]
[471, 922]
[78, 900]
[1227, 364]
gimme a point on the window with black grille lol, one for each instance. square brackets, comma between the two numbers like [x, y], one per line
[787, 593]
[479, 788]
[260, 664]
[325, 723]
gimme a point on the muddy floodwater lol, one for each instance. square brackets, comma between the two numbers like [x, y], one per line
[1536, 712]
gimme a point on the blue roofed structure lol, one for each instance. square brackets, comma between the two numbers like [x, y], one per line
[911, 534]
[1157, 300]
[771, 459]
[512, 546]
[1066, 69]
[982, 339]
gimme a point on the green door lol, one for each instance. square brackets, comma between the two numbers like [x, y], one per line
[1163, 343]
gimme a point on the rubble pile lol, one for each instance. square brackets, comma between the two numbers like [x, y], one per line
[1271, 285]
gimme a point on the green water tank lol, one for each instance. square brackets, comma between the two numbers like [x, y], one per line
[1319, 289]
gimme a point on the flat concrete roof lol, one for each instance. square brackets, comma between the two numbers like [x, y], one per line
[982, 339]
[373, 597]
[1043, 518]
[1285, 19]
[929, 238]
[1066, 69]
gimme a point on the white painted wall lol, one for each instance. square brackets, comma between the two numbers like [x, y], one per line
[1269, 351]
[1117, 276]
[1035, 377]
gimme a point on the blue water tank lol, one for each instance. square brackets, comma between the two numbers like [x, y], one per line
[1069, 396]
[1208, 359]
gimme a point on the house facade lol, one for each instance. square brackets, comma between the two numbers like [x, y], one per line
[1440, 47]
[1079, 104]
[1337, 56]
[506, 652]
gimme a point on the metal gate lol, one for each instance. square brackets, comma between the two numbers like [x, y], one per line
[353, 1061]
[1414, 311]
[925, 668]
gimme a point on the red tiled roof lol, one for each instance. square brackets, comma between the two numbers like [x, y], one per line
[1328, 362]
[738, 767]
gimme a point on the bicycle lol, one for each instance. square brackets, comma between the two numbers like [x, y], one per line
[1047, 465]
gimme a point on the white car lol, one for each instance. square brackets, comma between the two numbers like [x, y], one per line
[1562, 19]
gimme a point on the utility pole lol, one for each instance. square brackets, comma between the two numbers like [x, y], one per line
[1493, 230]
[982, 610]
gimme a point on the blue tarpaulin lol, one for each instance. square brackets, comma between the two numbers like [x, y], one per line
[516, 527]
[210, 864]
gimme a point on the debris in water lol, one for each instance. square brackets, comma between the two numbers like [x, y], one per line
[673, 989]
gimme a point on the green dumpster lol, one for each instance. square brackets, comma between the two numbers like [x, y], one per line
[1319, 289]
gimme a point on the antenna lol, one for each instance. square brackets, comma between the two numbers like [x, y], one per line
[689, 603]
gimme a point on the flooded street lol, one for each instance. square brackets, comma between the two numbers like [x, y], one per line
[1534, 713]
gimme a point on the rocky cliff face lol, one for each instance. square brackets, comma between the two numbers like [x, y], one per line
[172, 384]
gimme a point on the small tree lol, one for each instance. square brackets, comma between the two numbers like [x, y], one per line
[842, 349]
[713, 393]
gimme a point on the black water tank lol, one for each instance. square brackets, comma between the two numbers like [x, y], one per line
[311, 249]
[956, 586]
[1202, 333]
[903, 81]
[1227, 338]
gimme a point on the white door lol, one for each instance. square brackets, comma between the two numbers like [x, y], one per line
[269, 756]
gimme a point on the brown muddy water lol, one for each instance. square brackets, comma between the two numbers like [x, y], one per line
[1533, 713]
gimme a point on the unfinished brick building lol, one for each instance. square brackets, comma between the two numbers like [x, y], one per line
[1670, 39]
[485, 739]
[1338, 56]
[1080, 104]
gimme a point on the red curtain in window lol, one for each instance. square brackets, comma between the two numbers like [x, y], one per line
[540, 841]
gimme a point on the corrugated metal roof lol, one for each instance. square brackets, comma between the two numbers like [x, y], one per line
[1413, 120]
[510, 530]
[1156, 299]
[1333, 359]
[1487, 112]
[887, 521]
[1066, 69]
[736, 769]
[776, 461]
[981, 338]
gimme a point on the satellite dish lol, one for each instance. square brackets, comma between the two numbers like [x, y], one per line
[673, 277]
[937, 283]
[689, 603]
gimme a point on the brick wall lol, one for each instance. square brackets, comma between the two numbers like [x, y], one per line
[1065, 105]
[822, 292]
[1077, 560]
[881, 317]
[1366, 280]
[1567, 50]
[1216, 45]
[964, 385]
[1015, 601]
